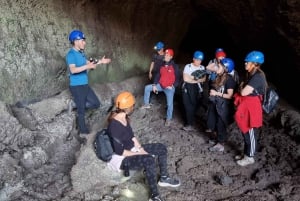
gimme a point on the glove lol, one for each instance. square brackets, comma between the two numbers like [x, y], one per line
[198, 74]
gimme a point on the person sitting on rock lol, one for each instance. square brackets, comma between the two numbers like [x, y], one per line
[137, 156]
[166, 80]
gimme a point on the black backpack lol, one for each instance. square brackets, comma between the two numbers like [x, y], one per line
[270, 100]
[103, 145]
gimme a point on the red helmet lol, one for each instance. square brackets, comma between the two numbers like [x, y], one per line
[169, 52]
[220, 53]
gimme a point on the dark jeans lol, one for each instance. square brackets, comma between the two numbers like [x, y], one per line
[84, 98]
[148, 163]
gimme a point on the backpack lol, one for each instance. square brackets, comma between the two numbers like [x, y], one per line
[103, 145]
[270, 100]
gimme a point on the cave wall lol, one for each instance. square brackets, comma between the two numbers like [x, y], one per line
[34, 38]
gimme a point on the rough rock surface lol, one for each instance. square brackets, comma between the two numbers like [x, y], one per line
[35, 38]
[43, 158]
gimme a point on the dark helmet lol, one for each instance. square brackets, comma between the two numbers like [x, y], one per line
[255, 57]
[76, 35]
[228, 63]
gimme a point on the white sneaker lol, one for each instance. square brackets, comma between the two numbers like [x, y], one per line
[239, 157]
[146, 106]
[246, 161]
[217, 148]
[188, 128]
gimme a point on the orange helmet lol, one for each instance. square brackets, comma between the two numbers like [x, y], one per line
[124, 100]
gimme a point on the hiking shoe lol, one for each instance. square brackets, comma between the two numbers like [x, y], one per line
[146, 106]
[208, 130]
[246, 161]
[217, 148]
[156, 198]
[168, 122]
[239, 157]
[212, 141]
[188, 128]
[168, 182]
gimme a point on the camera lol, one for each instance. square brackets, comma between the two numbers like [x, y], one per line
[93, 60]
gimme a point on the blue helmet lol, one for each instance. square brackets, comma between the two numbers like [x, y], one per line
[199, 55]
[76, 35]
[159, 46]
[255, 57]
[228, 63]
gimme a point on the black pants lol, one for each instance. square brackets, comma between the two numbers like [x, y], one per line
[215, 123]
[84, 98]
[191, 100]
[250, 142]
[148, 163]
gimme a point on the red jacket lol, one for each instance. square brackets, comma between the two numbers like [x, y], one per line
[248, 113]
[167, 76]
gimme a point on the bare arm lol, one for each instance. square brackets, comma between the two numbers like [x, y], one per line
[89, 65]
[247, 90]
[150, 70]
[190, 79]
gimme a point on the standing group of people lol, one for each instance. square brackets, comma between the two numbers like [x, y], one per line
[229, 99]
[165, 76]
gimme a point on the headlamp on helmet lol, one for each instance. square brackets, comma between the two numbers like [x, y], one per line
[159, 46]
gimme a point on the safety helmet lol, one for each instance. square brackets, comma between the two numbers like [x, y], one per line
[169, 52]
[199, 55]
[228, 63]
[159, 46]
[124, 100]
[76, 35]
[220, 53]
[255, 57]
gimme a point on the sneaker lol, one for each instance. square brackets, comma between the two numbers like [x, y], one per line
[188, 128]
[168, 122]
[165, 182]
[208, 130]
[246, 161]
[212, 141]
[217, 148]
[239, 157]
[146, 106]
[156, 198]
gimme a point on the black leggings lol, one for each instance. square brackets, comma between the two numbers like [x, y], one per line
[148, 163]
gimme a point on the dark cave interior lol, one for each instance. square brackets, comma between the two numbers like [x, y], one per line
[207, 33]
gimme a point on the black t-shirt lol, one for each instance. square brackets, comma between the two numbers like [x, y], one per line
[258, 82]
[123, 133]
[229, 84]
[158, 62]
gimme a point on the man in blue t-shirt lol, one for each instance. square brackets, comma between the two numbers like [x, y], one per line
[78, 66]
